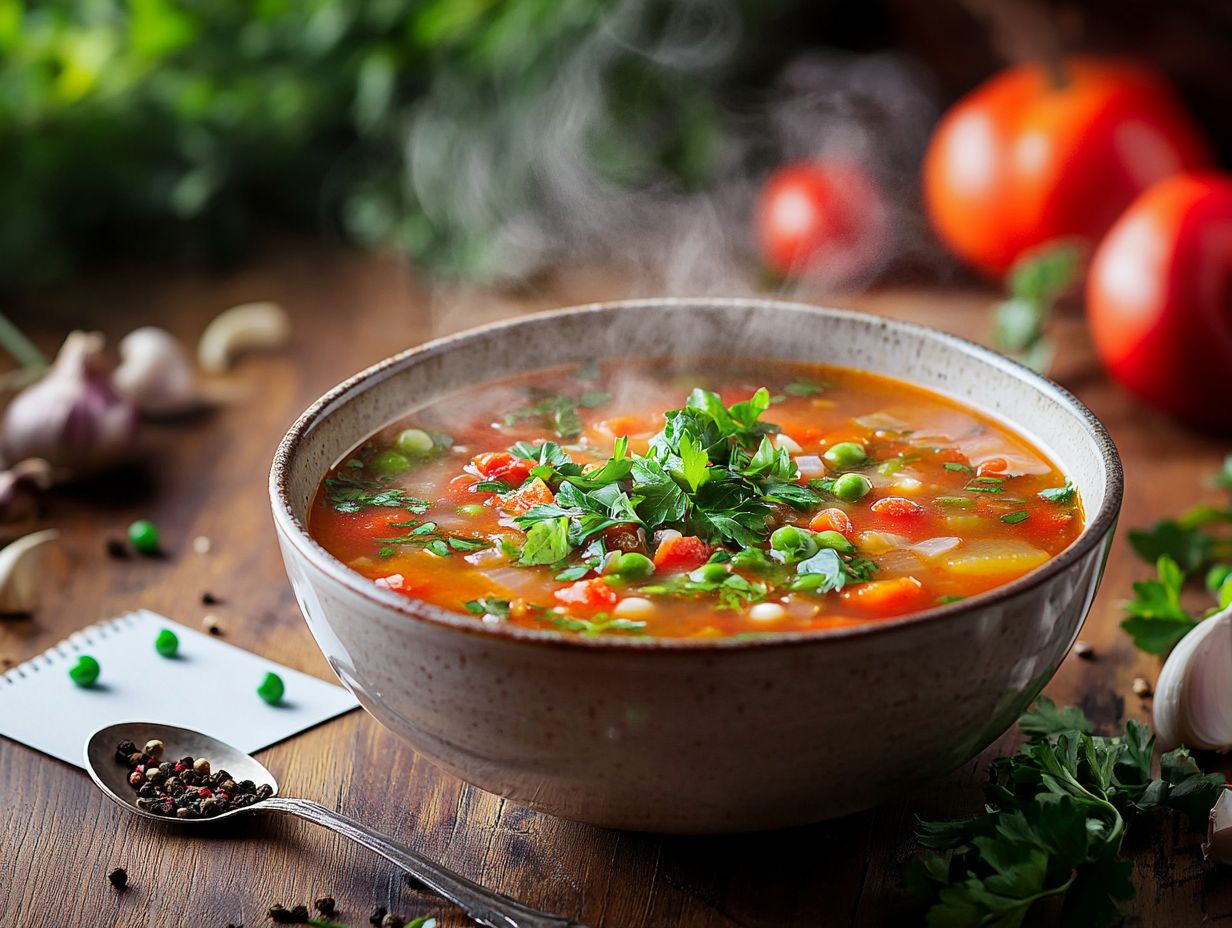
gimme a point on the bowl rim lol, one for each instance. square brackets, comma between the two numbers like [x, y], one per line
[1098, 527]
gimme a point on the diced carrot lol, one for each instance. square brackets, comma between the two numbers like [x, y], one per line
[832, 520]
[897, 507]
[593, 593]
[886, 597]
[684, 552]
[528, 497]
[992, 466]
[501, 465]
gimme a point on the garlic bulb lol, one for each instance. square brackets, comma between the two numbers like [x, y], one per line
[241, 328]
[72, 418]
[155, 373]
[23, 571]
[20, 486]
[1193, 698]
[1218, 844]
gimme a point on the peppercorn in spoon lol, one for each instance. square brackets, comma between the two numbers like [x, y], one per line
[212, 780]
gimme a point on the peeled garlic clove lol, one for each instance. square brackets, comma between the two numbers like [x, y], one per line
[1193, 698]
[20, 486]
[1218, 845]
[23, 571]
[72, 418]
[239, 329]
[155, 373]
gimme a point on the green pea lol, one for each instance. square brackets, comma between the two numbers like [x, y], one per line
[143, 536]
[633, 566]
[846, 454]
[709, 573]
[851, 487]
[85, 672]
[389, 463]
[271, 689]
[166, 643]
[471, 509]
[831, 539]
[414, 443]
[794, 543]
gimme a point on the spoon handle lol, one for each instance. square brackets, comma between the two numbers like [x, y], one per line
[485, 907]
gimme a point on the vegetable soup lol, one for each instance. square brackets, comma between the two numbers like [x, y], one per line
[711, 501]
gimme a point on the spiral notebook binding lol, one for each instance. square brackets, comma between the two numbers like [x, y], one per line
[69, 648]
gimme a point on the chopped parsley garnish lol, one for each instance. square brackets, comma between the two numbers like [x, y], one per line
[425, 535]
[558, 412]
[1013, 518]
[348, 495]
[804, 388]
[1053, 825]
[488, 606]
[597, 625]
[1062, 495]
[958, 468]
[986, 485]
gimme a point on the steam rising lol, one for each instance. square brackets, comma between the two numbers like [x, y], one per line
[661, 239]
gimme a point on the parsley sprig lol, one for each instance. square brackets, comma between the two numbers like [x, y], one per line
[1056, 817]
[1194, 543]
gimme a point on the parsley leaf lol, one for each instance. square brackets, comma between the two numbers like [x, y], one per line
[488, 606]
[547, 542]
[1189, 548]
[1157, 620]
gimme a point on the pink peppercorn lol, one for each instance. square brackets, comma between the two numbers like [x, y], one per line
[205, 792]
[180, 768]
[136, 778]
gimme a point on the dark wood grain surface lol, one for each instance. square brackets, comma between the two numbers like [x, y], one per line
[206, 476]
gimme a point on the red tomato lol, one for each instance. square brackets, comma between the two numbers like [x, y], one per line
[593, 593]
[824, 220]
[686, 552]
[1020, 162]
[1159, 298]
[501, 465]
[896, 507]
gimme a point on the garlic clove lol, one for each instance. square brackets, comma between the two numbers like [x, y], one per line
[1218, 844]
[72, 418]
[1193, 698]
[241, 328]
[155, 373]
[24, 569]
[20, 487]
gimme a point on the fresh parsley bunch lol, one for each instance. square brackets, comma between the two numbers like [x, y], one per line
[1056, 817]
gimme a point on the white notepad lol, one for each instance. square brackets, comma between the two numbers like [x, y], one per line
[209, 686]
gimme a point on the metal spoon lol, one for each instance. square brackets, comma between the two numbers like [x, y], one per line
[482, 905]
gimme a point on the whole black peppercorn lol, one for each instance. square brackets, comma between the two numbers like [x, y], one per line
[125, 750]
[118, 877]
[392, 921]
[325, 905]
[116, 548]
[279, 915]
[264, 791]
[299, 914]
[378, 913]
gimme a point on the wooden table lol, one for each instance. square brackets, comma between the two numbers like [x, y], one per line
[206, 476]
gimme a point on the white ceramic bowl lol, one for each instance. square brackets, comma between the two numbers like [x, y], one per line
[691, 736]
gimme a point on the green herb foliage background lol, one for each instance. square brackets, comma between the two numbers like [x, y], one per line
[153, 128]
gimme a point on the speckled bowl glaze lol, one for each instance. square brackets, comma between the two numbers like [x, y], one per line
[691, 736]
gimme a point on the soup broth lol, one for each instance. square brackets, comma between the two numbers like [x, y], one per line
[710, 501]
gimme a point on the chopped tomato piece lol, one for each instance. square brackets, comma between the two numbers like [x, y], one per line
[594, 593]
[897, 507]
[533, 494]
[501, 465]
[992, 466]
[832, 520]
[888, 597]
[684, 552]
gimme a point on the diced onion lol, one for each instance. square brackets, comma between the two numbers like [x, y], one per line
[810, 465]
[634, 607]
[931, 548]
[767, 612]
[786, 441]
[879, 542]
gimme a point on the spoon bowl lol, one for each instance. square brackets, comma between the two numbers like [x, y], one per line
[484, 906]
[112, 776]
